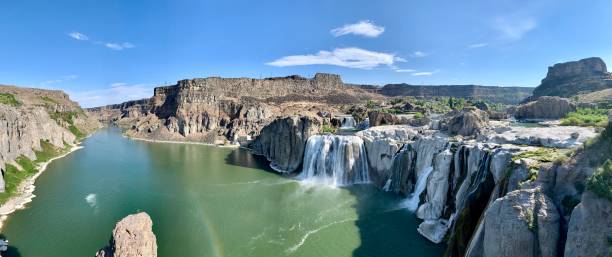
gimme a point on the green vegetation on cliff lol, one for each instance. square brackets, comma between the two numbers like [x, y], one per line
[586, 117]
[13, 177]
[9, 99]
[67, 118]
[601, 181]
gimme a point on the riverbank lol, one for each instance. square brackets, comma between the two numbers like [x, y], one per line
[25, 191]
[178, 142]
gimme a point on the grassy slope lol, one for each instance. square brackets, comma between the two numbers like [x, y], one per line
[13, 177]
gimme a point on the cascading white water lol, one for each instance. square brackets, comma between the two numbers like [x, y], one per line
[335, 160]
[412, 203]
[348, 122]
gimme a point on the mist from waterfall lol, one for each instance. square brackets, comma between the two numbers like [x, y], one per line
[335, 160]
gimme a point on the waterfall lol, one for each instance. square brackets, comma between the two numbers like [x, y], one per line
[412, 203]
[348, 122]
[335, 160]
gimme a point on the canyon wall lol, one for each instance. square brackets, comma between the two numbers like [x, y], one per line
[573, 78]
[505, 95]
[219, 110]
[31, 117]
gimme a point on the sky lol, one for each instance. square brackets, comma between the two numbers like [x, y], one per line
[103, 52]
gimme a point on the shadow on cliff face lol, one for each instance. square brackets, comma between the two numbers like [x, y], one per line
[11, 251]
[387, 230]
[244, 158]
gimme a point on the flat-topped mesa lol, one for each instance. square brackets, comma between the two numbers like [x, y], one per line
[260, 88]
[588, 66]
[505, 95]
[572, 78]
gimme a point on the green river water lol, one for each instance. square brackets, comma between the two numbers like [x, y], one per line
[204, 201]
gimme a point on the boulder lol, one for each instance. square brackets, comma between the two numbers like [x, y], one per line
[546, 107]
[378, 118]
[283, 141]
[132, 237]
[522, 223]
[590, 228]
[467, 122]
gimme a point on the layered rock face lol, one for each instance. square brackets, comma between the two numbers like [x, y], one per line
[38, 115]
[283, 141]
[215, 110]
[505, 95]
[132, 237]
[573, 78]
[545, 107]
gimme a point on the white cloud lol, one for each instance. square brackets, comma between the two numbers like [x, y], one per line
[78, 36]
[419, 54]
[424, 73]
[119, 47]
[60, 80]
[351, 57]
[114, 46]
[478, 45]
[362, 28]
[405, 70]
[113, 94]
[513, 28]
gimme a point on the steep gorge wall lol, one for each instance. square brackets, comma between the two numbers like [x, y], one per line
[215, 110]
[505, 95]
[35, 116]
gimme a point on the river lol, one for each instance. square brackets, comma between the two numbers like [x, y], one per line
[204, 201]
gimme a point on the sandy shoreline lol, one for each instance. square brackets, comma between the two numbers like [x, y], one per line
[26, 189]
[180, 142]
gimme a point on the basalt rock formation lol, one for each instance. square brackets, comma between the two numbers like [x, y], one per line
[546, 107]
[573, 78]
[218, 110]
[132, 237]
[504, 95]
[467, 122]
[283, 141]
[29, 117]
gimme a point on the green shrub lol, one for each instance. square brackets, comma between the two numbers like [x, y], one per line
[328, 129]
[586, 117]
[9, 99]
[601, 181]
[49, 100]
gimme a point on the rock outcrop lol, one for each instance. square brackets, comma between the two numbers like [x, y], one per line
[545, 107]
[504, 95]
[283, 141]
[132, 237]
[590, 228]
[467, 122]
[573, 78]
[522, 223]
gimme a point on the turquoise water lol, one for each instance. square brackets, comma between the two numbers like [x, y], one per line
[204, 201]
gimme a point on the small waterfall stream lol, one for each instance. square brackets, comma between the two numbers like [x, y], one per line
[348, 122]
[412, 202]
[335, 160]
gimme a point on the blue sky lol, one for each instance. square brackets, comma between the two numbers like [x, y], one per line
[103, 52]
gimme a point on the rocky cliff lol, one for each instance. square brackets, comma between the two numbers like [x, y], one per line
[573, 78]
[218, 110]
[505, 95]
[33, 117]
[132, 237]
